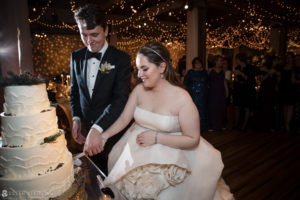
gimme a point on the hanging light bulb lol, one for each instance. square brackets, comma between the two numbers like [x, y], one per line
[186, 6]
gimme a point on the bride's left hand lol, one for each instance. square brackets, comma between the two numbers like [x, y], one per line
[146, 138]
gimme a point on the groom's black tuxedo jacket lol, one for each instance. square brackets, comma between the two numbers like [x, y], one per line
[110, 93]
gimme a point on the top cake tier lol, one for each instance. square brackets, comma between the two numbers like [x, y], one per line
[25, 100]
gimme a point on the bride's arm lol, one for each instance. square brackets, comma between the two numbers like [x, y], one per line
[95, 142]
[125, 117]
[190, 125]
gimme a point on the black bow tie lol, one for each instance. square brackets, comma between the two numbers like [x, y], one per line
[93, 55]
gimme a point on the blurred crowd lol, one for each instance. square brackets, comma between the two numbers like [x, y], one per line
[256, 95]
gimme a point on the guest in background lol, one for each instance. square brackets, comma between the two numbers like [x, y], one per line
[132, 79]
[228, 77]
[181, 67]
[100, 79]
[218, 92]
[196, 83]
[268, 95]
[287, 93]
[296, 81]
[243, 91]
[227, 70]
[210, 60]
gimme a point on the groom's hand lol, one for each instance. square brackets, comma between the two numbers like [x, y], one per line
[93, 144]
[76, 132]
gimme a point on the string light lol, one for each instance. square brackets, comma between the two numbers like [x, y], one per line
[186, 6]
[176, 48]
[52, 52]
[42, 35]
[44, 9]
[294, 39]
[73, 6]
[254, 10]
[62, 26]
[252, 35]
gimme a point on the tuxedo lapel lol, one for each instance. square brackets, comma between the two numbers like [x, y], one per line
[99, 74]
[83, 66]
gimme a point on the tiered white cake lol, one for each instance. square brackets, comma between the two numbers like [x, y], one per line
[34, 160]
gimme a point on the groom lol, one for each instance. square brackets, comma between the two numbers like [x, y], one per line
[100, 79]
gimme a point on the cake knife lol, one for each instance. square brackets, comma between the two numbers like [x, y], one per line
[77, 156]
[105, 190]
[80, 155]
[87, 157]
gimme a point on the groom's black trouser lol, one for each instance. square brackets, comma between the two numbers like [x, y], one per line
[101, 159]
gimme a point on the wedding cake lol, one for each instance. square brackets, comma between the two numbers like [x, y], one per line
[34, 160]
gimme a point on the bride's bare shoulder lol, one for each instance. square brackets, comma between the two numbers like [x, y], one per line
[184, 102]
[138, 88]
[181, 94]
[139, 91]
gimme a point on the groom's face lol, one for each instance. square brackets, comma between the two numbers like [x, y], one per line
[93, 39]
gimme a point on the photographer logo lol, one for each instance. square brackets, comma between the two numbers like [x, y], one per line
[4, 193]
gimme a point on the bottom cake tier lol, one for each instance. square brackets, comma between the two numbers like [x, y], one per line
[46, 186]
[77, 190]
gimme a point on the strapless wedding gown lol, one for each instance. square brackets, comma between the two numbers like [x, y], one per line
[164, 173]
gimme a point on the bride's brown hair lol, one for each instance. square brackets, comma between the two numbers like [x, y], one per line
[157, 53]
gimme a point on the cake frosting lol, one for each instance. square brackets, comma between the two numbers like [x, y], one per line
[42, 187]
[34, 160]
[25, 100]
[28, 130]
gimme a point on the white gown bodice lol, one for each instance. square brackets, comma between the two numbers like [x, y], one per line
[162, 123]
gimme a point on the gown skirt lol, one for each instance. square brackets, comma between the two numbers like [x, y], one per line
[161, 172]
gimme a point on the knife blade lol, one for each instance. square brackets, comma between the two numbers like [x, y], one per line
[105, 189]
[102, 174]
[77, 156]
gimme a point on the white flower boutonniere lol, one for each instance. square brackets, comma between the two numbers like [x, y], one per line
[106, 67]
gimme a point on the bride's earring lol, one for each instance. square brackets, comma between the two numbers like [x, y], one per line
[162, 75]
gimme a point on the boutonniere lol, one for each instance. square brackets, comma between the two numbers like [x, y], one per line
[106, 67]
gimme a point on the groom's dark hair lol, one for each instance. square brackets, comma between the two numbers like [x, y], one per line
[91, 15]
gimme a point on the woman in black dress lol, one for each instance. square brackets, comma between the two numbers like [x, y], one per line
[287, 94]
[296, 81]
[268, 95]
[196, 83]
[217, 94]
[243, 91]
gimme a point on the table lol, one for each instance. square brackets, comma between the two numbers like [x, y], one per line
[92, 185]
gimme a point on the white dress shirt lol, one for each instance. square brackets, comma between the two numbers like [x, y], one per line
[93, 65]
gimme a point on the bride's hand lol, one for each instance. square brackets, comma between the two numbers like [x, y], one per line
[146, 138]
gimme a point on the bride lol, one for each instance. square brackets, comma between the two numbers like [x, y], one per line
[162, 155]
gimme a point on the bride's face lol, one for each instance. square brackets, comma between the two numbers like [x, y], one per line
[147, 71]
